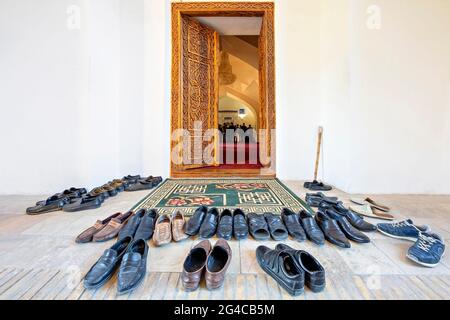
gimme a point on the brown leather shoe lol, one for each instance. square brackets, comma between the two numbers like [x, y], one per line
[217, 264]
[112, 228]
[163, 231]
[194, 265]
[88, 234]
[178, 223]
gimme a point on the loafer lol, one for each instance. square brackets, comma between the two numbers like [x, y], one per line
[105, 266]
[331, 230]
[112, 190]
[283, 268]
[133, 266]
[225, 227]
[312, 230]
[194, 223]
[194, 265]
[144, 184]
[163, 231]
[209, 225]
[277, 229]
[72, 193]
[240, 226]
[53, 203]
[99, 191]
[85, 203]
[217, 264]
[350, 232]
[291, 220]
[88, 234]
[147, 225]
[130, 227]
[314, 271]
[258, 227]
[131, 179]
[112, 228]
[178, 225]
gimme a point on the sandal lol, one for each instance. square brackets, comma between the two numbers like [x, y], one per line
[258, 226]
[277, 228]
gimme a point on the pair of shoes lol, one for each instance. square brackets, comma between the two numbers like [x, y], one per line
[369, 208]
[355, 220]
[232, 223]
[86, 202]
[202, 259]
[314, 199]
[57, 201]
[428, 248]
[264, 226]
[291, 268]
[131, 258]
[168, 228]
[337, 229]
[111, 229]
[317, 186]
[293, 225]
[140, 226]
[143, 183]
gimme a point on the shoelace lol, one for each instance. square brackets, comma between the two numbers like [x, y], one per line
[399, 224]
[426, 242]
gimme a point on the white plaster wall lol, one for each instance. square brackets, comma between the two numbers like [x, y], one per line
[81, 107]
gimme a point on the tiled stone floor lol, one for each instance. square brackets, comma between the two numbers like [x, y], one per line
[40, 260]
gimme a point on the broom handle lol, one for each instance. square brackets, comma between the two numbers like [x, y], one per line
[319, 144]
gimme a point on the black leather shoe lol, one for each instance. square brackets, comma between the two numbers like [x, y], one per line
[147, 225]
[225, 227]
[258, 227]
[104, 268]
[194, 223]
[281, 266]
[85, 203]
[350, 232]
[277, 229]
[314, 199]
[133, 266]
[133, 223]
[295, 229]
[314, 271]
[209, 225]
[240, 226]
[53, 203]
[331, 230]
[356, 221]
[312, 230]
[317, 186]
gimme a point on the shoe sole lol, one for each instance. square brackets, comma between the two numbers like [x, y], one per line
[137, 284]
[397, 237]
[99, 285]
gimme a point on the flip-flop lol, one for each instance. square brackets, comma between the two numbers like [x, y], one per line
[370, 202]
[366, 210]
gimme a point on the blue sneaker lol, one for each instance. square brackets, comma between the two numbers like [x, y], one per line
[428, 250]
[402, 230]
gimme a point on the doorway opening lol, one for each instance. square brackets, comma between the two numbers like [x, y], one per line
[223, 80]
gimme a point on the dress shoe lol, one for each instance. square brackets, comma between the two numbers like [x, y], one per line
[291, 220]
[129, 229]
[331, 230]
[277, 229]
[194, 223]
[314, 199]
[312, 230]
[104, 268]
[112, 228]
[86, 235]
[86, 202]
[282, 267]
[350, 232]
[163, 231]
[133, 266]
[147, 225]
[217, 264]
[357, 221]
[53, 203]
[314, 271]
[178, 225]
[258, 227]
[209, 225]
[225, 227]
[194, 265]
[240, 226]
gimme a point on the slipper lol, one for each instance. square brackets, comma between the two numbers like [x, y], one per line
[53, 203]
[144, 184]
[258, 227]
[366, 210]
[85, 203]
[370, 202]
[317, 186]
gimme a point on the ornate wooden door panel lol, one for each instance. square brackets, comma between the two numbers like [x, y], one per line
[200, 89]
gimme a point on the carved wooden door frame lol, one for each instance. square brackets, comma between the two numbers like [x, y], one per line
[267, 74]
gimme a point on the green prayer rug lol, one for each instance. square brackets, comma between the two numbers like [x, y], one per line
[251, 195]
